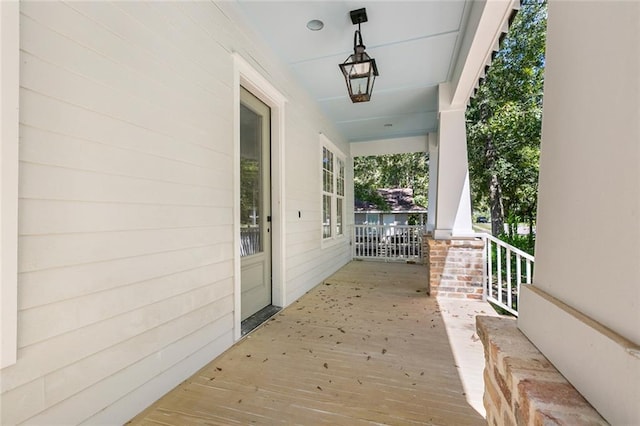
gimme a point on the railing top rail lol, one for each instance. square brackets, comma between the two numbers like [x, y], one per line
[503, 244]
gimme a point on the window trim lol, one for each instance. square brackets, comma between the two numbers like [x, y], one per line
[338, 157]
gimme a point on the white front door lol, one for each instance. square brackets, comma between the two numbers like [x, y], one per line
[255, 204]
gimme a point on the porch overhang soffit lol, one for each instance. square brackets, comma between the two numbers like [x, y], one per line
[451, 217]
[488, 23]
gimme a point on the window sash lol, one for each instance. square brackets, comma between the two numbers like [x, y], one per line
[327, 170]
[340, 177]
[339, 216]
[326, 216]
[333, 191]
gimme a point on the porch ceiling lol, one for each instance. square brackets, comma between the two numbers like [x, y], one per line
[416, 45]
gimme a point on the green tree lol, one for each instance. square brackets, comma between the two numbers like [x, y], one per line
[391, 171]
[504, 123]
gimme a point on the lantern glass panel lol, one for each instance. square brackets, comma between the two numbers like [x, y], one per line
[361, 69]
[360, 85]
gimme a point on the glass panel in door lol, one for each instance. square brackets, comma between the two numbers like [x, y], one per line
[255, 204]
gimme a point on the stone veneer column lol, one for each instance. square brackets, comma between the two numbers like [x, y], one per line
[454, 267]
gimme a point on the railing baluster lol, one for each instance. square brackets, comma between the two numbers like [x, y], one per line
[372, 242]
[490, 268]
[509, 277]
[508, 302]
[499, 271]
[519, 277]
[519, 280]
[354, 241]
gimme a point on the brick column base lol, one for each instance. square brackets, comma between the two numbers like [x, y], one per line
[521, 386]
[454, 267]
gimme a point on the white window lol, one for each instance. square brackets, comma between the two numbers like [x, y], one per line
[373, 219]
[333, 190]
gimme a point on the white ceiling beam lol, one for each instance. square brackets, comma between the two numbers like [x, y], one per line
[389, 146]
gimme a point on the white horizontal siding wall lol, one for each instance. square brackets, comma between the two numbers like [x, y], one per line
[126, 205]
[307, 262]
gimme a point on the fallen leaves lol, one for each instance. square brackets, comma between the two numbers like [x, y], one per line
[330, 311]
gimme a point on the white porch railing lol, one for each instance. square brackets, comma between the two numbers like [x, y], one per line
[388, 242]
[505, 269]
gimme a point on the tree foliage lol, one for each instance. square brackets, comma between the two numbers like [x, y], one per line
[391, 171]
[504, 123]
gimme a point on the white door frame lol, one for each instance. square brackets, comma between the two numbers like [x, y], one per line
[256, 261]
[252, 80]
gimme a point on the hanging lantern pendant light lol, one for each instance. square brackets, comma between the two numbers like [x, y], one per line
[359, 70]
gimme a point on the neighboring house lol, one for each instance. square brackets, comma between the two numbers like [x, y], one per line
[395, 239]
[400, 207]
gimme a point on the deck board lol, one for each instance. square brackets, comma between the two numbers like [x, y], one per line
[367, 346]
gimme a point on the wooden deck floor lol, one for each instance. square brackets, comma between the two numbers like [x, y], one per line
[365, 347]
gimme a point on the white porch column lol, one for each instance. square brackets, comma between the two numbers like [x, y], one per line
[433, 181]
[453, 205]
[583, 311]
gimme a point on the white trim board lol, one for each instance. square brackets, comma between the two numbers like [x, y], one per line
[9, 124]
[390, 146]
[580, 348]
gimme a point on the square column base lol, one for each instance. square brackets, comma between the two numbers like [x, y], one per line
[454, 267]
